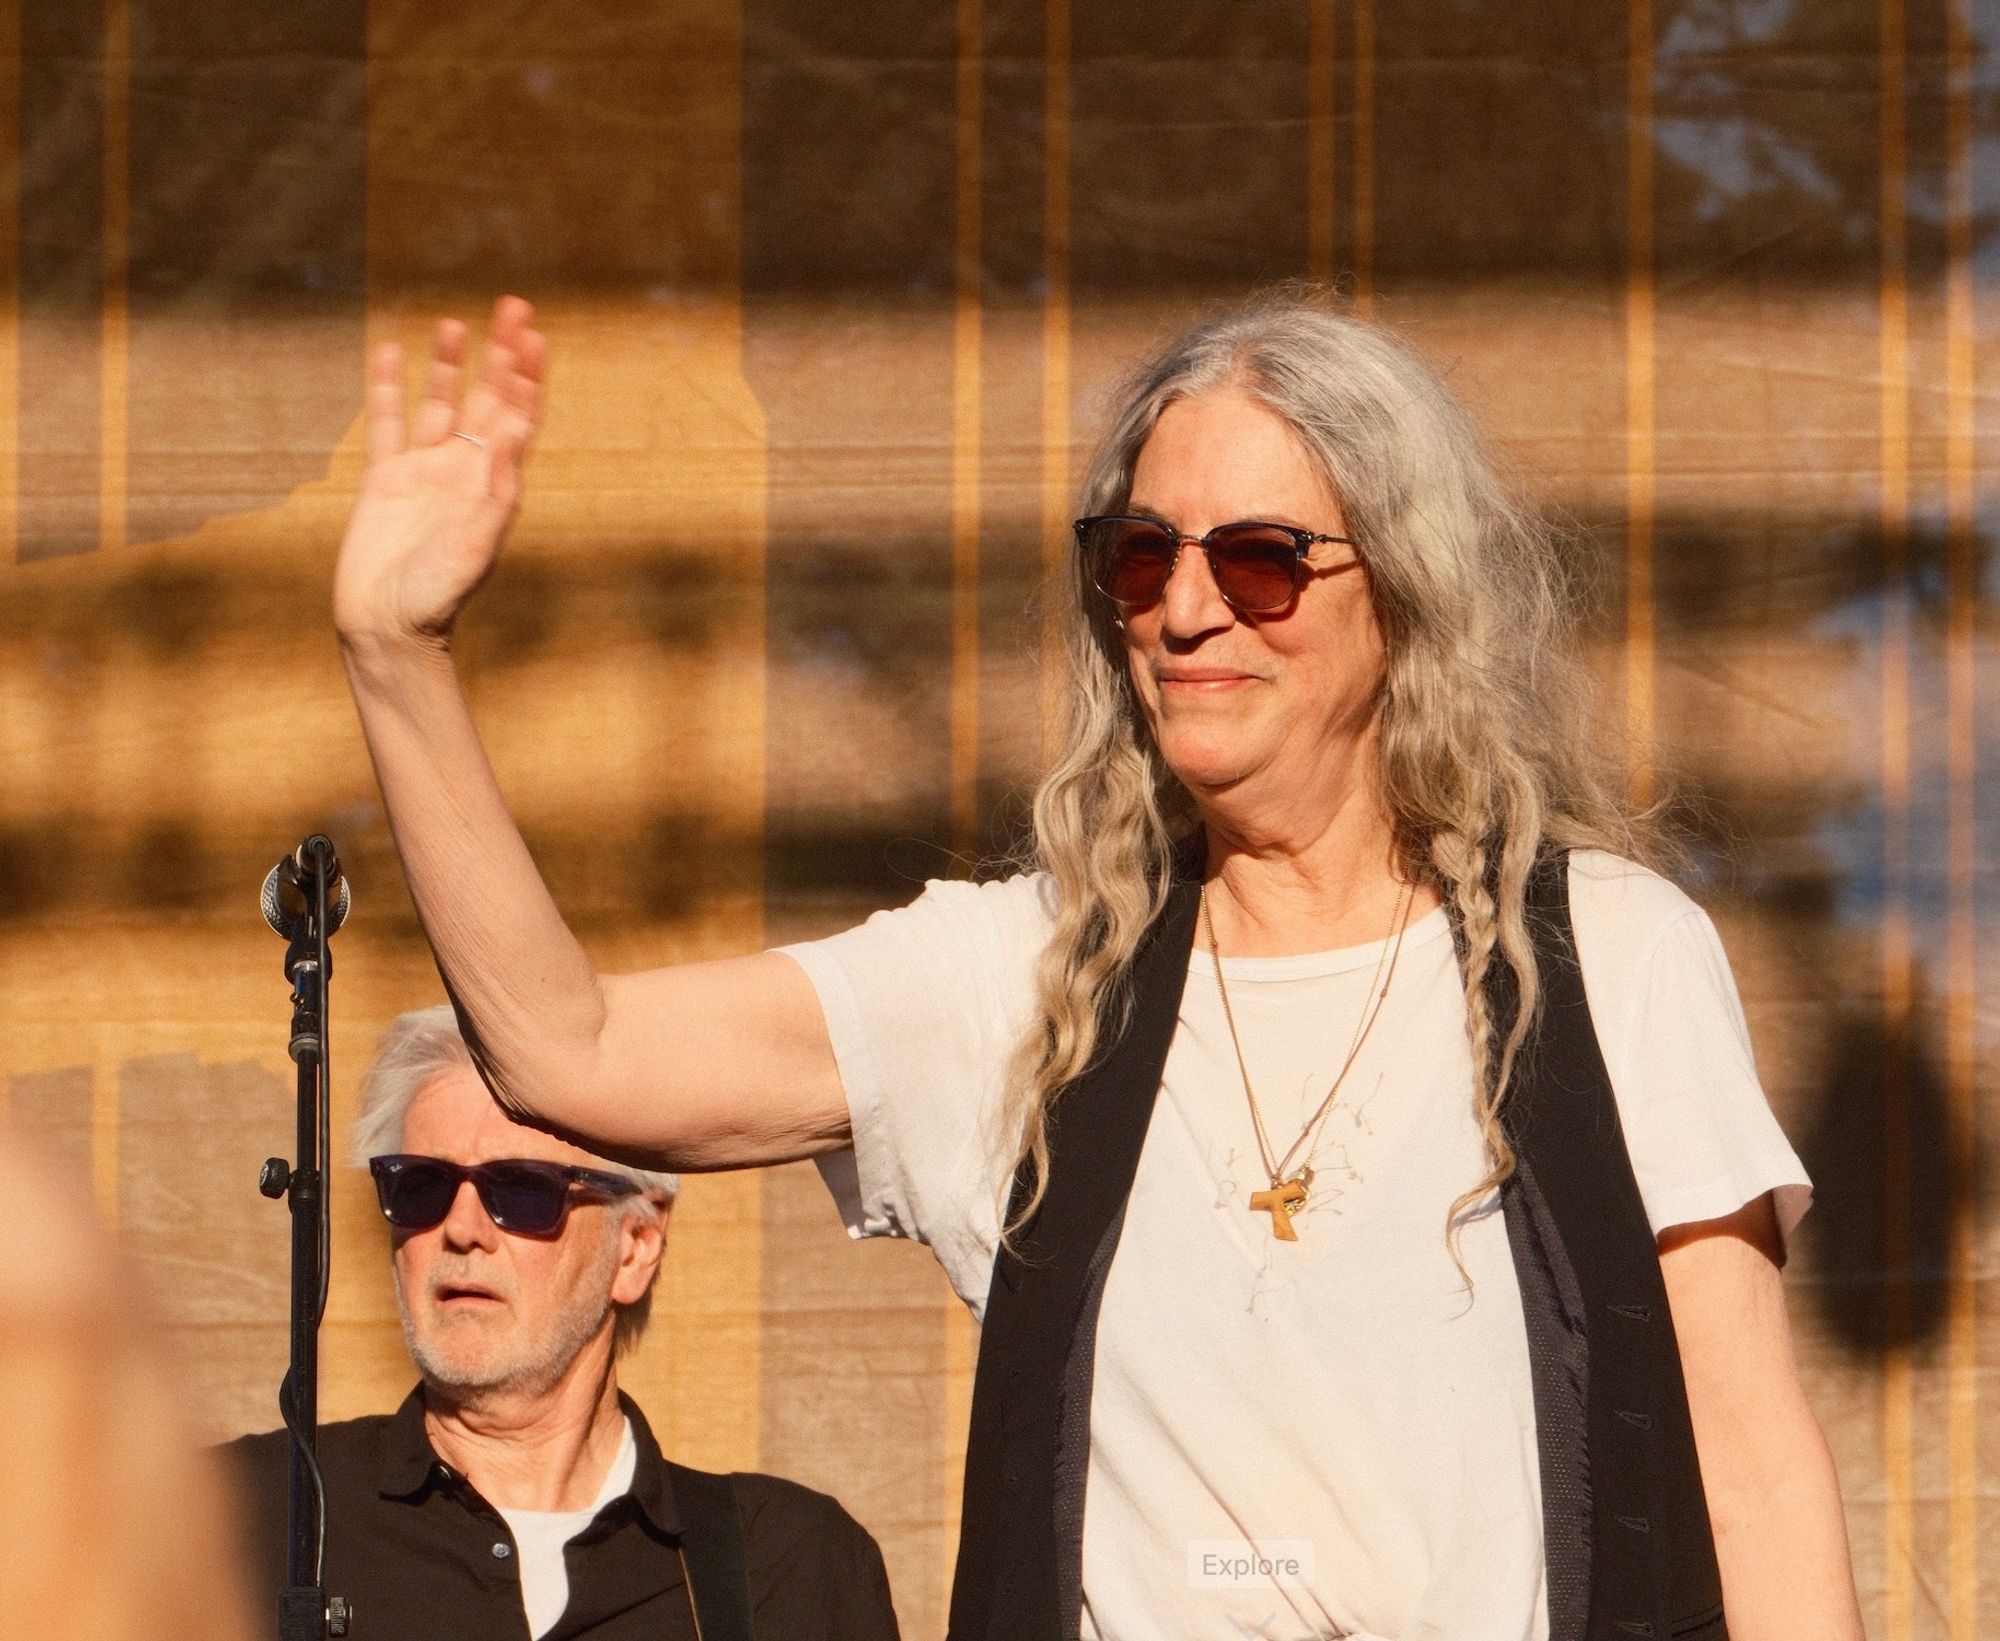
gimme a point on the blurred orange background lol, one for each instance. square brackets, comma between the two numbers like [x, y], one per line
[835, 294]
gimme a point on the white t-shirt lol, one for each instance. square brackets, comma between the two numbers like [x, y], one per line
[540, 1537]
[1331, 1437]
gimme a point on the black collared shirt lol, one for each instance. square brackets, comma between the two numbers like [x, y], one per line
[420, 1556]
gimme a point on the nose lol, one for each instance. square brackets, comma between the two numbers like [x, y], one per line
[468, 1225]
[1192, 603]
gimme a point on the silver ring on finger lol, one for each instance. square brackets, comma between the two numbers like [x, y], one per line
[469, 438]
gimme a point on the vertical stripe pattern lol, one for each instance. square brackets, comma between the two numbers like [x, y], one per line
[1639, 445]
[960, 1341]
[10, 287]
[114, 407]
[1364, 157]
[1961, 732]
[1320, 62]
[1898, 1380]
[1055, 324]
[968, 265]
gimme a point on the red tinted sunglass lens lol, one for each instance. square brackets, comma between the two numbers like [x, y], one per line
[1133, 559]
[1256, 567]
[522, 1197]
[416, 1195]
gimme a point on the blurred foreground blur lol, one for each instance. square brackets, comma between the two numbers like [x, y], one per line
[114, 1524]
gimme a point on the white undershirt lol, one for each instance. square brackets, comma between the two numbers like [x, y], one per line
[541, 1535]
[1339, 1412]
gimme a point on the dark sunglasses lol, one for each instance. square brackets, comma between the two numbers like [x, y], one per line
[1257, 567]
[520, 1194]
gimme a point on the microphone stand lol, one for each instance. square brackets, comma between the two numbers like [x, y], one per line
[298, 897]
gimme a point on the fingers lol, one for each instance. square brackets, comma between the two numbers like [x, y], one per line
[501, 409]
[511, 363]
[530, 365]
[511, 435]
[384, 409]
[439, 406]
[513, 316]
[504, 406]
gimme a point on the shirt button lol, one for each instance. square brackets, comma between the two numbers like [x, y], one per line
[502, 1551]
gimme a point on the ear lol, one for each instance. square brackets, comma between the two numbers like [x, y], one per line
[642, 1239]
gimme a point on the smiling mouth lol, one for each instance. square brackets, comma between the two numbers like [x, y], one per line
[1222, 680]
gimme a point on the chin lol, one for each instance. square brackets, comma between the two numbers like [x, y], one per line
[1208, 743]
[1199, 765]
[460, 1360]
[462, 1373]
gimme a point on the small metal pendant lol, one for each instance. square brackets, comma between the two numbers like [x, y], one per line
[1281, 1202]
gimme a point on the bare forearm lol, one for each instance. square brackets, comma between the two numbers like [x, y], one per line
[1782, 1546]
[528, 991]
[722, 1064]
[1773, 1497]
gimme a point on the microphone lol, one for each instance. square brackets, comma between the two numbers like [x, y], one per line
[287, 898]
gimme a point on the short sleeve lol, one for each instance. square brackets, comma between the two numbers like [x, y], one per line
[924, 1006]
[1699, 1130]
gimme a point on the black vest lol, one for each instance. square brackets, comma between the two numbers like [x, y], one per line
[1625, 1524]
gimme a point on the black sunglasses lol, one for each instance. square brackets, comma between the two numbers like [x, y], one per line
[1258, 567]
[520, 1194]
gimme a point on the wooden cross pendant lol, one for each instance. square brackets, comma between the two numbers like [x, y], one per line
[1281, 1202]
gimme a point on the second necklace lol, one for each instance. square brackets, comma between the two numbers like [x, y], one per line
[1290, 1187]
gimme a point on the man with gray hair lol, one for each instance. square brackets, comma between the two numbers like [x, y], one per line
[516, 1491]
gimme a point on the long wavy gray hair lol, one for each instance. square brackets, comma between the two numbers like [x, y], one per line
[1488, 745]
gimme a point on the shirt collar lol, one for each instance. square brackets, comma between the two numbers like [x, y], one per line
[651, 1490]
[408, 1464]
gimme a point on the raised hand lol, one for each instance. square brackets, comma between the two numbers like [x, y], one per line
[439, 493]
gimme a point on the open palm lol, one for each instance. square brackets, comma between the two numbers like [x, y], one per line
[441, 486]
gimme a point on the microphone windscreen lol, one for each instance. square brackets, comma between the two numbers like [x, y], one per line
[286, 899]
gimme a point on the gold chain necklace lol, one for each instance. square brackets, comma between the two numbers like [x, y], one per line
[1289, 1194]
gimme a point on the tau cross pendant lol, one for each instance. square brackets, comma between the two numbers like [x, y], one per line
[1281, 1202]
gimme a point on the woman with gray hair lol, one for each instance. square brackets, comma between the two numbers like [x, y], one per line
[1352, 1149]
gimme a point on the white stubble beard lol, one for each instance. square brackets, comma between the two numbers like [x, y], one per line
[517, 1363]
